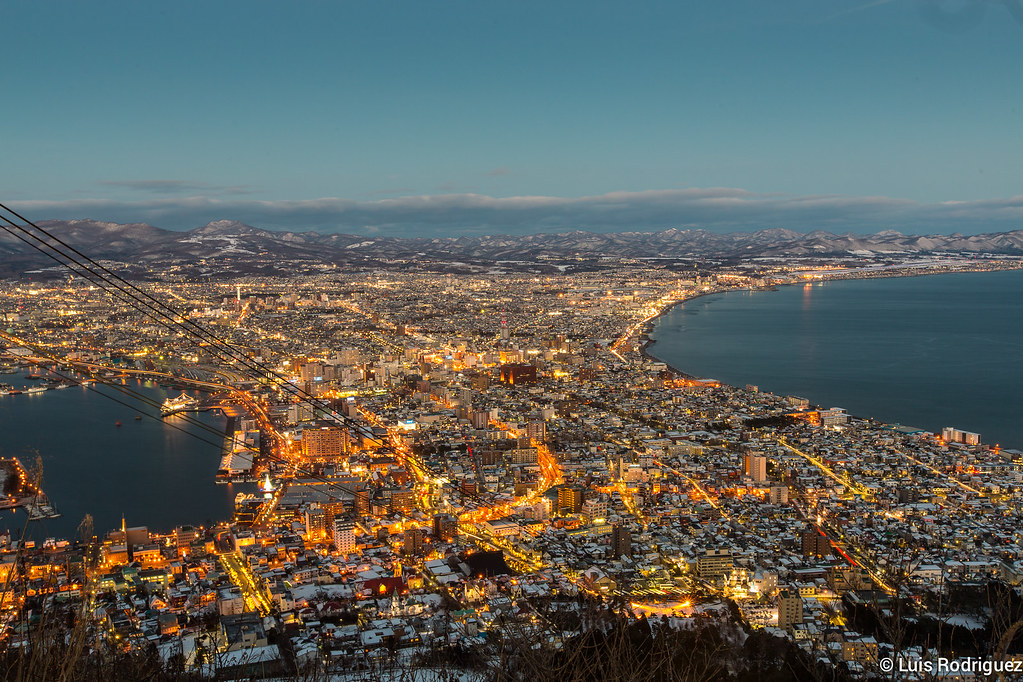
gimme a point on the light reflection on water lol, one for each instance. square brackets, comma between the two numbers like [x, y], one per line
[933, 351]
[153, 474]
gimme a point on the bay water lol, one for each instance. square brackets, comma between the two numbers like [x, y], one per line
[929, 351]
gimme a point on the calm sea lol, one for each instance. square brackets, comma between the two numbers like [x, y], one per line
[934, 351]
[151, 472]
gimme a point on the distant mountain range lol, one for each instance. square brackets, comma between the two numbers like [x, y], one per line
[246, 248]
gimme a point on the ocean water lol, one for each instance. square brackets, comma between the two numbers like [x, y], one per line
[151, 472]
[932, 351]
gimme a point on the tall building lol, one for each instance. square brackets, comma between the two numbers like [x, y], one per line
[505, 329]
[479, 418]
[778, 494]
[414, 541]
[833, 417]
[953, 435]
[317, 522]
[570, 499]
[183, 537]
[621, 541]
[525, 455]
[323, 443]
[815, 544]
[715, 563]
[594, 508]
[402, 500]
[536, 430]
[344, 535]
[362, 505]
[755, 466]
[518, 374]
[489, 457]
[445, 527]
[790, 609]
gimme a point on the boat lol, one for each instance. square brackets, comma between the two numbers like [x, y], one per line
[181, 403]
[138, 417]
[41, 508]
[33, 377]
[36, 389]
[117, 423]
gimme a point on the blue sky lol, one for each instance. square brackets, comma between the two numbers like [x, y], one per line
[447, 117]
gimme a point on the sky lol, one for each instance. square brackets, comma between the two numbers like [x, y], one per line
[443, 117]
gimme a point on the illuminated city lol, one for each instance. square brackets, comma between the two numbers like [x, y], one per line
[511, 341]
[437, 454]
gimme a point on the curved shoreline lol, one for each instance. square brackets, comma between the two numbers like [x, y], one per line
[645, 348]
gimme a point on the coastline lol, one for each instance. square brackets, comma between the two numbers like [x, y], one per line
[646, 347]
[75, 467]
[888, 274]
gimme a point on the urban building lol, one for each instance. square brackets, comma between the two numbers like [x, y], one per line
[344, 535]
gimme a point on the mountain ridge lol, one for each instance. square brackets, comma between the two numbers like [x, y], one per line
[228, 239]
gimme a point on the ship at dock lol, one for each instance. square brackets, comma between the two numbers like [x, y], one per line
[23, 492]
[40, 508]
[182, 403]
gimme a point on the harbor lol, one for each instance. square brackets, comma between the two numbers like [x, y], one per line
[107, 459]
[21, 490]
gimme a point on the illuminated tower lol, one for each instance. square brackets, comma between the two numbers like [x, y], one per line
[505, 331]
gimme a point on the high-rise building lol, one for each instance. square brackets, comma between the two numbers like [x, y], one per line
[790, 609]
[621, 541]
[362, 505]
[754, 465]
[317, 522]
[815, 544]
[570, 499]
[413, 541]
[524, 455]
[489, 457]
[594, 508]
[323, 443]
[402, 500]
[778, 494]
[518, 374]
[344, 535]
[183, 538]
[445, 527]
[536, 430]
[833, 417]
[714, 563]
[953, 435]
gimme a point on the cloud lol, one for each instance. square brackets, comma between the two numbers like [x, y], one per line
[717, 209]
[176, 186]
[498, 172]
